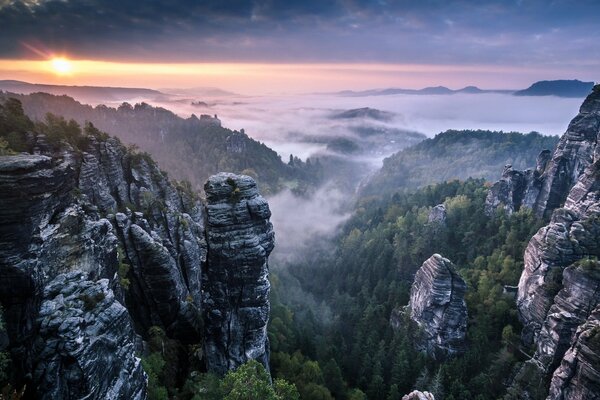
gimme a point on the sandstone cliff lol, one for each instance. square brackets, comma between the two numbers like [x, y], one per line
[235, 280]
[547, 187]
[97, 246]
[560, 284]
[437, 306]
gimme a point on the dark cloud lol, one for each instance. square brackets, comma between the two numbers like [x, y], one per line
[427, 31]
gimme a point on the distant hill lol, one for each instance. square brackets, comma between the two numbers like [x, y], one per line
[457, 155]
[199, 91]
[560, 88]
[190, 149]
[434, 90]
[86, 94]
[365, 112]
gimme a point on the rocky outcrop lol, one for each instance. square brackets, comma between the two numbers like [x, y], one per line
[578, 376]
[437, 305]
[417, 395]
[437, 215]
[517, 189]
[97, 246]
[573, 234]
[85, 344]
[560, 284]
[547, 188]
[235, 280]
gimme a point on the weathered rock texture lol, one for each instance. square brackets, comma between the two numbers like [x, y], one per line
[560, 284]
[85, 345]
[547, 187]
[106, 224]
[438, 307]
[417, 395]
[437, 215]
[235, 280]
[578, 376]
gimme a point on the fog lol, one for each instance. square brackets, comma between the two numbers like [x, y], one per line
[286, 122]
[298, 221]
[301, 125]
[298, 124]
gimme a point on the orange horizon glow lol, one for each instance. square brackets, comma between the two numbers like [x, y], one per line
[265, 77]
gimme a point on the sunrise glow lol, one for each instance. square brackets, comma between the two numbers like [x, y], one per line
[264, 77]
[61, 66]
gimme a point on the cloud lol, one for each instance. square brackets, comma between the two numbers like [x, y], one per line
[306, 30]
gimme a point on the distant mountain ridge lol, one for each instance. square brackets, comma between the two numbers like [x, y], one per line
[82, 93]
[190, 149]
[431, 90]
[562, 88]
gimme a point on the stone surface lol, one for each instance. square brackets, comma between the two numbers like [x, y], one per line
[85, 346]
[438, 307]
[417, 395]
[235, 280]
[547, 188]
[106, 221]
[560, 284]
[437, 215]
[578, 376]
[572, 234]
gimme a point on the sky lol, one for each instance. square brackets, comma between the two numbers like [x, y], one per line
[300, 45]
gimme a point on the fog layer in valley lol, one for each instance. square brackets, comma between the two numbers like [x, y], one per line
[286, 123]
[353, 144]
[297, 125]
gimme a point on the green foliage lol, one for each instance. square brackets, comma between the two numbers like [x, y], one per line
[122, 273]
[248, 382]
[202, 387]
[123, 269]
[369, 275]
[185, 157]
[458, 155]
[251, 382]
[5, 149]
[14, 125]
[153, 365]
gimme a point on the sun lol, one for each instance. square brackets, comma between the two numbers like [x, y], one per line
[61, 66]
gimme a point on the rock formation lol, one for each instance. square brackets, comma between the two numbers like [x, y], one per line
[578, 376]
[235, 280]
[97, 246]
[438, 307]
[547, 188]
[560, 284]
[417, 395]
[85, 344]
[437, 215]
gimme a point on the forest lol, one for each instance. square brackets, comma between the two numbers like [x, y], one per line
[356, 354]
[457, 154]
[336, 340]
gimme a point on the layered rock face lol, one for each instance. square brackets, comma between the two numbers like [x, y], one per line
[85, 344]
[417, 395]
[97, 246]
[517, 189]
[578, 376]
[235, 280]
[437, 215]
[438, 307]
[560, 284]
[547, 187]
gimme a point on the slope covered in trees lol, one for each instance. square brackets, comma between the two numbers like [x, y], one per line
[367, 280]
[190, 149]
[457, 155]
